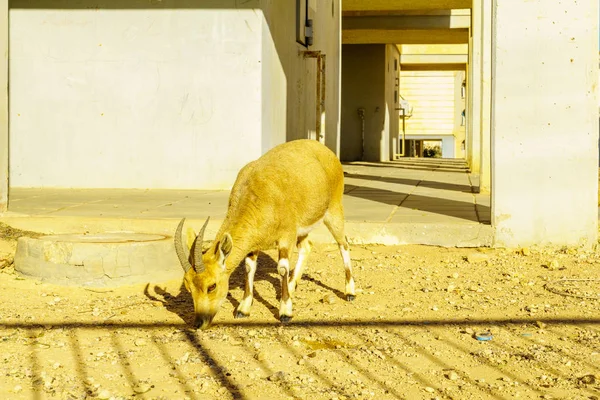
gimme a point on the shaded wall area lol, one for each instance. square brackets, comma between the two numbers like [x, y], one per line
[368, 116]
[299, 82]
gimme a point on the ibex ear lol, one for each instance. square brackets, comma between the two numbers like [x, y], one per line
[224, 248]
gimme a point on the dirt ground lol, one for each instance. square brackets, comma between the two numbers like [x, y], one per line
[411, 332]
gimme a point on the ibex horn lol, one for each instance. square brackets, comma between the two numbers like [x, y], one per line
[198, 264]
[181, 253]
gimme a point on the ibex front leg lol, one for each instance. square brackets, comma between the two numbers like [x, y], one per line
[243, 309]
[304, 247]
[283, 267]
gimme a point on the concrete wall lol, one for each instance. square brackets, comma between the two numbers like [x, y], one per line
[164, 95]
[3, 105]
[545, 127]
[448, 147]
[368, 82]
[432, 95]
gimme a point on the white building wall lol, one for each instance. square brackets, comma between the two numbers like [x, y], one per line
[134, 98]
[168, 95]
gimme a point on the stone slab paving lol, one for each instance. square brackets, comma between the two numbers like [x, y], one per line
[406, 201]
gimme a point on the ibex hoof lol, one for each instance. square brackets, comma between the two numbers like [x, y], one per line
[350, 297]
[239, 314]
[285, 318]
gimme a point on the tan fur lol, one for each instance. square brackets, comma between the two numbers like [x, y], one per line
[289, 189]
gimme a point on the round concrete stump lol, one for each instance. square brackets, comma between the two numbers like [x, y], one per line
[99, 260]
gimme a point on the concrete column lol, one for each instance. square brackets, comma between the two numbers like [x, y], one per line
[474, 121]
[485, 179]
[3, 105]
[545, 122]
[468, 97]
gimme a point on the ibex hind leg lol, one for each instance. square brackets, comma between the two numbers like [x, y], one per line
[334, 221]
[243, 309]
[304, 248]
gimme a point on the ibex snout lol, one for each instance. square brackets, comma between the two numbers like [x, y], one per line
[203, 321]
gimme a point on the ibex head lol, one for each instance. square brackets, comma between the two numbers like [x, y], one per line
[206, 276]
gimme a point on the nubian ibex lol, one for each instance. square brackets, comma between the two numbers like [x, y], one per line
[278, 198]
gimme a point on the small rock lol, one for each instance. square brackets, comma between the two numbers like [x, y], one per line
[452, 375]
[540, 324]
[260, 356]
[140, 342]
[104, 395]
[185, 358]
[329, 299]
[553, 265]
[17, 388]
[313, 354]
[141, 388]
[525, 251]
[588, 379]
[477, 257]
[301, 361]
[455, 275]
[429, 389]
[277, 376]
[531, 308]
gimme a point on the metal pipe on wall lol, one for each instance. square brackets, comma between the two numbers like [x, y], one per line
[361, 114]
[321, 86]
[403, 116]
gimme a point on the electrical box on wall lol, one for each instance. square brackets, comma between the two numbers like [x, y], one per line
[309, 32]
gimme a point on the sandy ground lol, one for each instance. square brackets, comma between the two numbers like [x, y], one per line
[411, 332]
